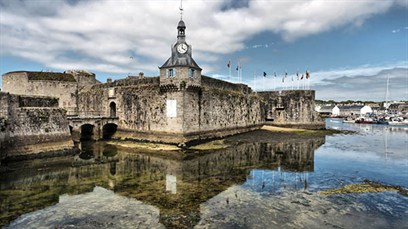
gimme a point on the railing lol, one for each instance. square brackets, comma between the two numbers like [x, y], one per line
[85, 113]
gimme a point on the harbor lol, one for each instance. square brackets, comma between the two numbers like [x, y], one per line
[203, 114]
[273, 177]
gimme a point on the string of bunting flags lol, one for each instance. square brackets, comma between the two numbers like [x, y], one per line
[299, 77]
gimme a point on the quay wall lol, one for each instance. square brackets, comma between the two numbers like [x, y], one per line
[31, 125]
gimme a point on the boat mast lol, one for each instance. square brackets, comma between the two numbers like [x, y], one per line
[387, 93]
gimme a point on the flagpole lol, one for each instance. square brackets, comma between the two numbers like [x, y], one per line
[237, 72]
[274, 78]
[273, 84]
[240, 69]
[229, 70]
[239, 75]
[264, 83]
[292, 82]
[297, 80]
[255, 80]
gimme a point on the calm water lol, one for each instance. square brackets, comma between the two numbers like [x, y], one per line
[269, 182]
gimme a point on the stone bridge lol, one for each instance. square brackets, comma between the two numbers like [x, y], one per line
[92, 127]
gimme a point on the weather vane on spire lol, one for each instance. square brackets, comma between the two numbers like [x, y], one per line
[181, 9]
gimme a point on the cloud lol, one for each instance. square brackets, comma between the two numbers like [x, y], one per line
[366, 87]
[361, 83]
[101, 35]
[395, 31]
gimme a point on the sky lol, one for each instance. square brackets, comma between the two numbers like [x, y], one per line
[350, 47]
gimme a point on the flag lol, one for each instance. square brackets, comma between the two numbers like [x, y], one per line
[264, 74]
[274, 74]
[301, 78]
[307, 75]
[297, 75]
[229, 64]
[283, 79]
[286, 74]
[237, 68]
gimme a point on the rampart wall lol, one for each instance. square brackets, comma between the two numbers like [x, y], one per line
[18, 83]
[209, 82]
[64, 86]
[141, 108]
[292, 108]
[30, 125]
[220, 109]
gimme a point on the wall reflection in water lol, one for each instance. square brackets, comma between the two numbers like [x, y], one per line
[176, 183]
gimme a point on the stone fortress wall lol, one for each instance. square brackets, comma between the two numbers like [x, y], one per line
[204, 108]
[141, 108]
[291, 108]
[30, 125]
[64, 86]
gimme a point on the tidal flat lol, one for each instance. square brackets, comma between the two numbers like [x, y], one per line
[350, 176]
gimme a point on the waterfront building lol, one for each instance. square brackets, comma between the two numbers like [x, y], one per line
[329, 110]
[355, 110]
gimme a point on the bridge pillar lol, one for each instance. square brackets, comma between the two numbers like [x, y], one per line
[76, 134]
[97, 132]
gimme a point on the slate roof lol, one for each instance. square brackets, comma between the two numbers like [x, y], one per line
[186, 61]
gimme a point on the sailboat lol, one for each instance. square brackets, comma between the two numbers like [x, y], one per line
[383, 121]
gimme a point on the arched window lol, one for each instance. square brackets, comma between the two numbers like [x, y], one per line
[112, 107]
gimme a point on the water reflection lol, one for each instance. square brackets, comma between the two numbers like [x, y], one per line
[176, 184]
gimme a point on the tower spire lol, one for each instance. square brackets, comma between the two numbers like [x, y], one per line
[181, 9]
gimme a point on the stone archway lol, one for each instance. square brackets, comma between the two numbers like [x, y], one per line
[87, 132]
[109, 130]
[112, 110]
[71, 128]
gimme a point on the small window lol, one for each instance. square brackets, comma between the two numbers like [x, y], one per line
[171, 72]
[191, 73]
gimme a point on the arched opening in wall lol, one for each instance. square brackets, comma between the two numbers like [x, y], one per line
[87, 132]
[71, 129]
[112, 168]
[109, 130]
[112, 107]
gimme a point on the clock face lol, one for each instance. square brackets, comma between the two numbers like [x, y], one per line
[182, 48]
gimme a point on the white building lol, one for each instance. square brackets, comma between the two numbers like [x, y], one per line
[355, 110]
[331, 110]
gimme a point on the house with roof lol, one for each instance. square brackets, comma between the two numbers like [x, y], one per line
[329, 110]
[355, 110]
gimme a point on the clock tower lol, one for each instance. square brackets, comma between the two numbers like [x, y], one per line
[180, 71]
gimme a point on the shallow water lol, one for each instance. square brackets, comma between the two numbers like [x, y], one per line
[266, 183]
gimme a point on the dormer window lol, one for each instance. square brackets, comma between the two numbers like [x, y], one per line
[191, 73]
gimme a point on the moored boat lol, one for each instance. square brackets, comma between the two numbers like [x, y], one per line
[382, 122]
[365, 120]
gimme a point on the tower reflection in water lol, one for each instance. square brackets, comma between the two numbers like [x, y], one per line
[174, 182]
